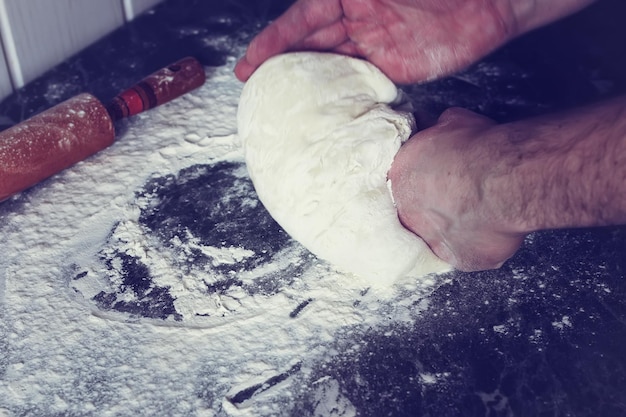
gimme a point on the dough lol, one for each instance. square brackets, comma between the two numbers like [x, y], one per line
[320, 134]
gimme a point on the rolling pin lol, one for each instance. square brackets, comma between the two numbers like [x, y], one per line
[71, 131]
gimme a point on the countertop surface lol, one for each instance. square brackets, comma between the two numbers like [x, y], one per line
[149, 280]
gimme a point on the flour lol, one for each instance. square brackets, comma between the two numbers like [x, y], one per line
[111, 307]
[320, 135]
[149, 280]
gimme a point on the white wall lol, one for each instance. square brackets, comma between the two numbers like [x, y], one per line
[133, 8]
[36, 35]
[5, 80]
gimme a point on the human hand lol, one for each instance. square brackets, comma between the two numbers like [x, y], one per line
[409, 40]
[443, 181]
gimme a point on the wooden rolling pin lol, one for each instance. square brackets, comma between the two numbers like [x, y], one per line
[81, 126]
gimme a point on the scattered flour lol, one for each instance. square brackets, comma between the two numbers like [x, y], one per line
[264, 335]
[62, 355]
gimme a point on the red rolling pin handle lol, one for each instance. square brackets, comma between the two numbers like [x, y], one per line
[158, 88]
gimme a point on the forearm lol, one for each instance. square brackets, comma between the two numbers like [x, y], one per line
[565, 170]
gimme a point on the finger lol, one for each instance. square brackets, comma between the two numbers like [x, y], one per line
[348, 48]
[483, 253]
[443, 252]
[327, 38]
[300, 21]
[331, 38]
[472, 262]
[461, 116]
[466, 260]
[243, 70]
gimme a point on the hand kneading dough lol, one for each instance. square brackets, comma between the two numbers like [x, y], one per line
[319, 137]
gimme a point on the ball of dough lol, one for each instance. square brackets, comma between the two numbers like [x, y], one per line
[320, 133]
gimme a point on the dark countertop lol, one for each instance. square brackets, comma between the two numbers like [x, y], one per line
[543, 336]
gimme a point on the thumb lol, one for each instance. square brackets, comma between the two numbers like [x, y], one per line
[463, 117]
